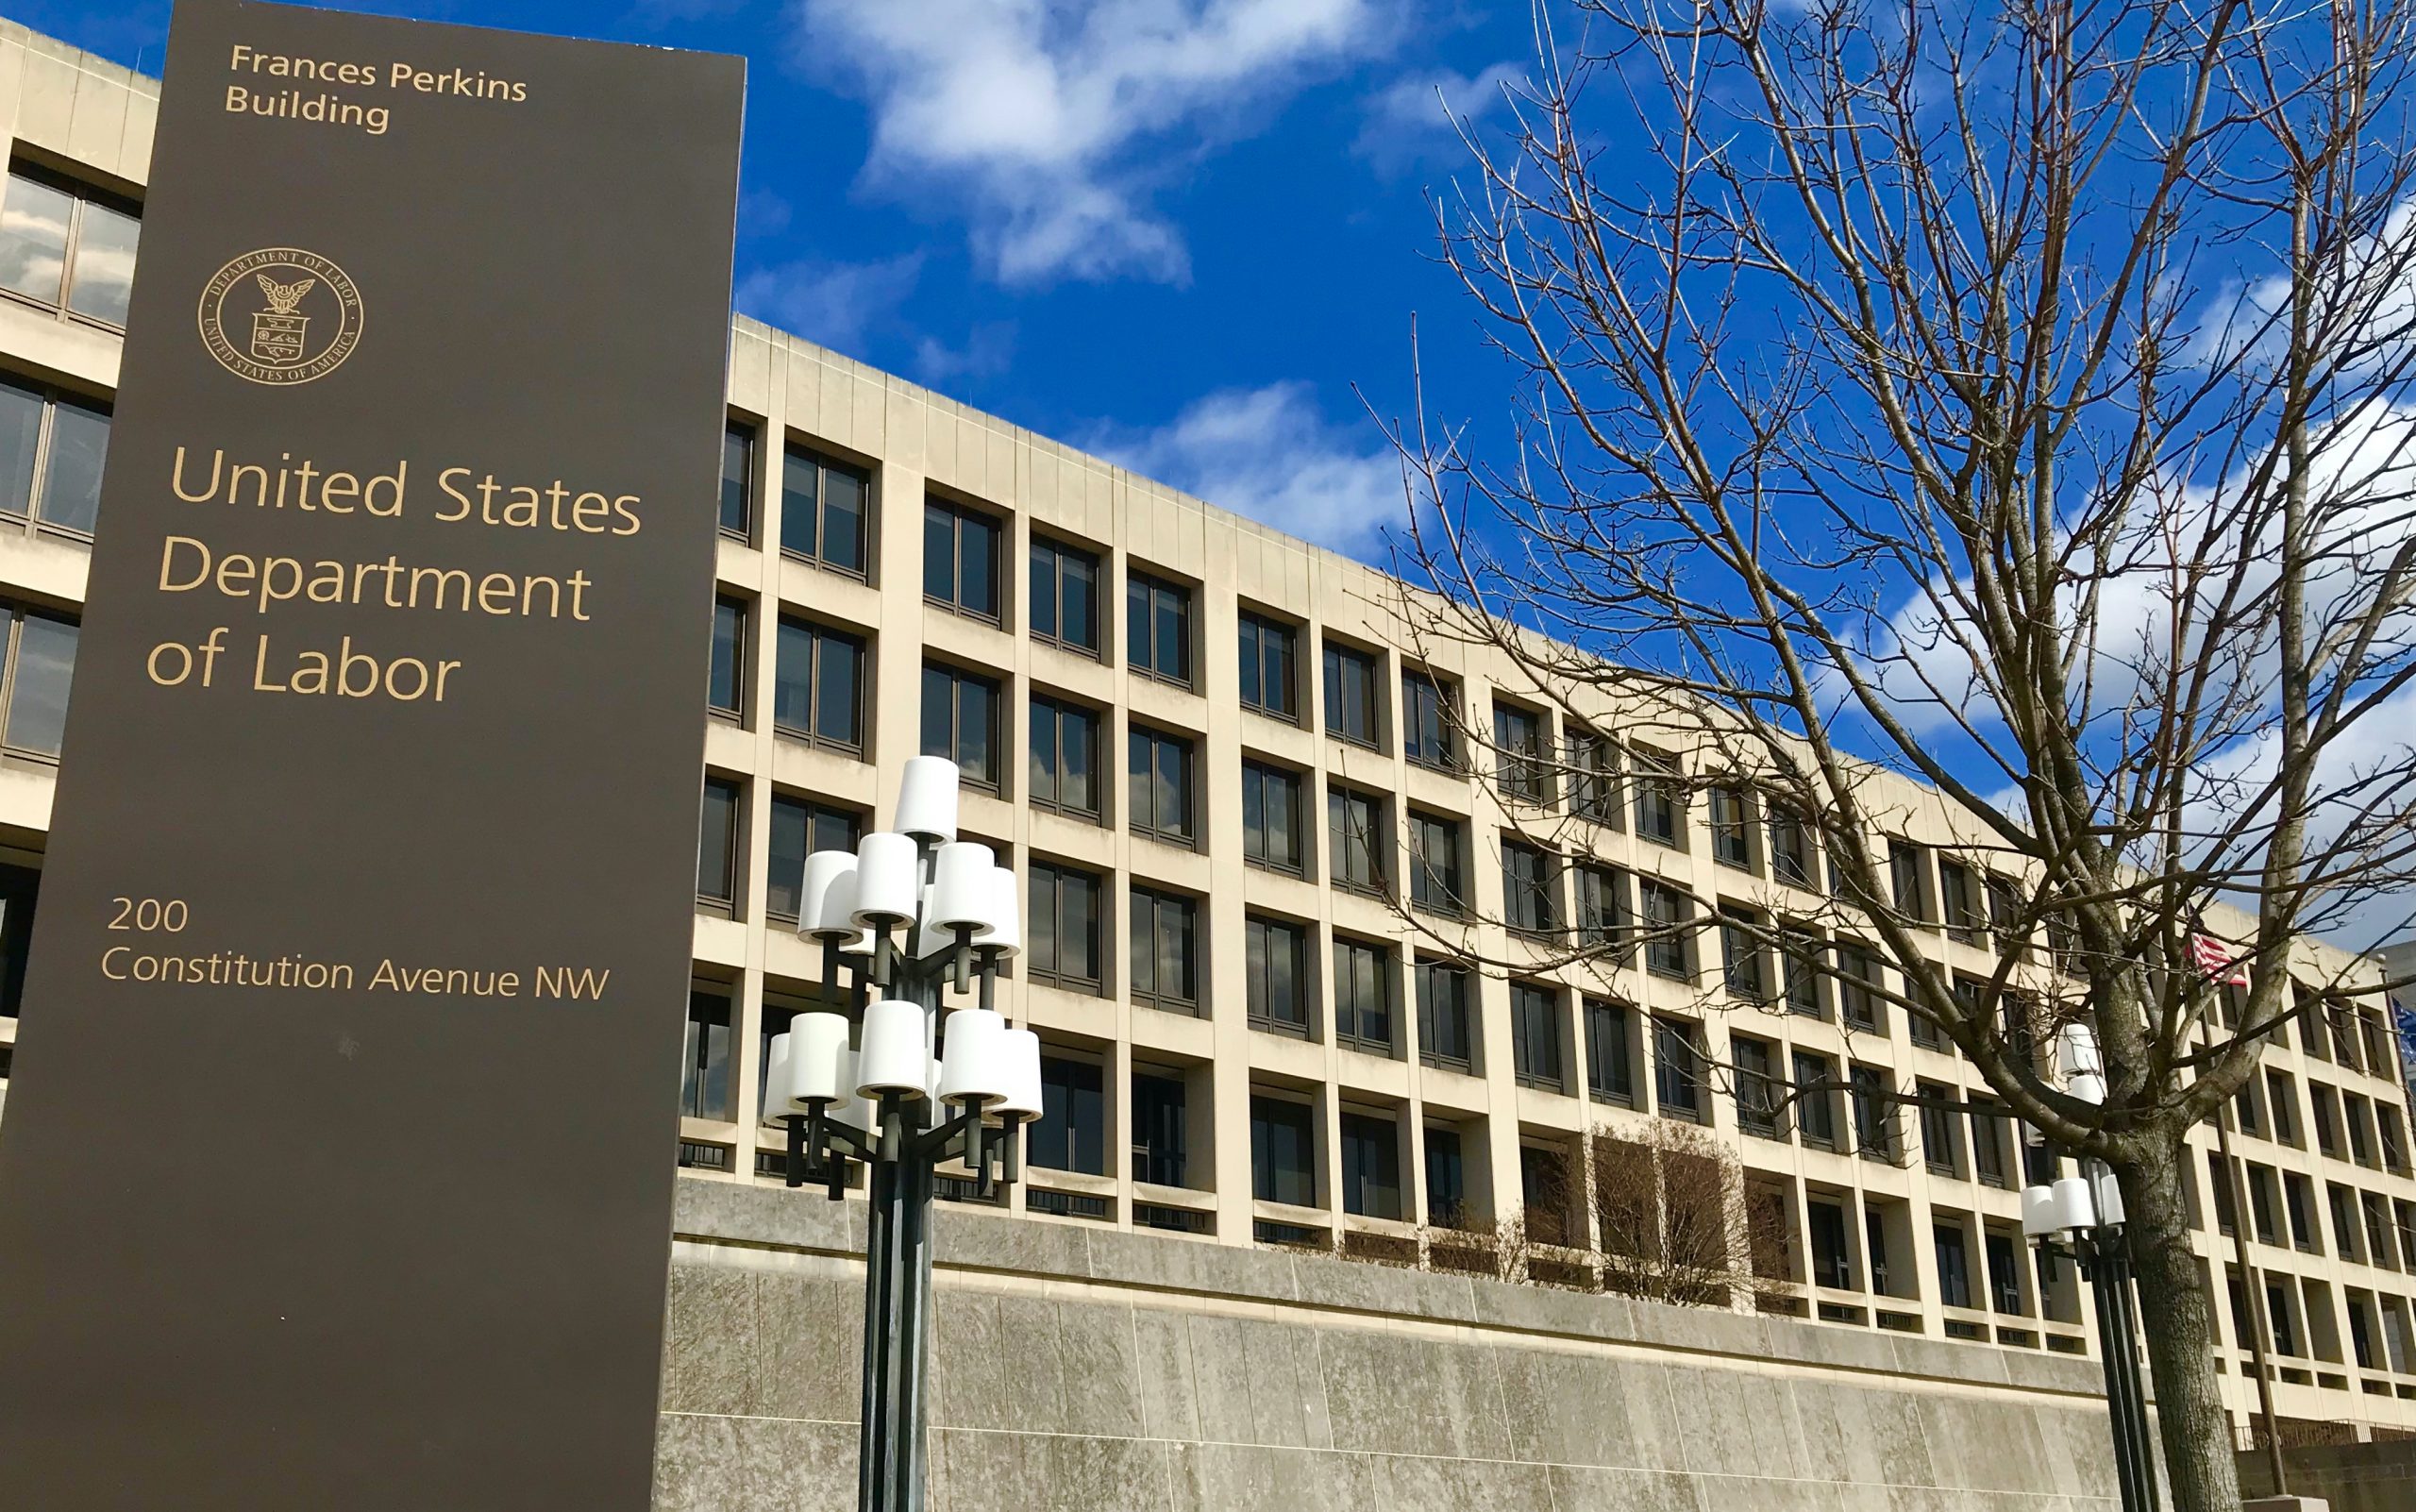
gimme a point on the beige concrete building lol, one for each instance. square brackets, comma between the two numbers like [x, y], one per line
[1195, 739]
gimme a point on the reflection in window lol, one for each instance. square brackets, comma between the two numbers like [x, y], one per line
[960, 722]
[67, 245]
[704, 1087]
[822, 510]
[41, 663]
[961, 560]
[799, 829]
[51, 452]
[818, 685]
[1065, 596]
[738, 480]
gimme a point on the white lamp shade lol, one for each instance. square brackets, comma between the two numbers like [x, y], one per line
[893, 1056]
[1020, 1054]
[2038, 1211]
[818, 1057]
[1002, 927]
[826, 901]
[858, 944]
[927, 798]
[2073, 1206]
[2076, 1052]
[887, 889]
[960, 896]
[776, 1077]
[2087, 1087]
[2108, 1192]
[974, 1062]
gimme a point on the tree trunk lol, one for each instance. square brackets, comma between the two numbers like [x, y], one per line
[2177, 1316]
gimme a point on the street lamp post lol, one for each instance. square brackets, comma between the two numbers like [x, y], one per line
[907, 914]
[2079, 1219]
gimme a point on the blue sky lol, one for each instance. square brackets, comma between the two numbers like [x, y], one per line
[1179, 230]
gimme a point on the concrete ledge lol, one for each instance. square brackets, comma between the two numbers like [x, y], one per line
[970, 1241]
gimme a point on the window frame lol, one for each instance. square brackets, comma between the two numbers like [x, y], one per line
[41, 464]
[1141, 818]
[1261, 774]
[12, 678]
[1257, 986]
[824, 465]
[749, 434]
[1061, 553]
[960, 517]
[1454, 902]
[1538, 1057]
[1160, 901]
[1141, 582]
[1336, 659]
[1350, 1018]
[1447, 758]
[1060, 711]
[733, 866]
[1463, 1006]
[1253, 635]
[1374, 840]
[82, 197]
[818, 632]
[995, 780]
[1522, 772]
[1056, 875]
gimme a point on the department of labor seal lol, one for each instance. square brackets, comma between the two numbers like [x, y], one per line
[280, 315]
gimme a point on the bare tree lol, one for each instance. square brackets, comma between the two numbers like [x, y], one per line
[1674, 1220]
[2014, 399]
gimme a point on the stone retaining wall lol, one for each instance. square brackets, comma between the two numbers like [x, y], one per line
[1083, 1369]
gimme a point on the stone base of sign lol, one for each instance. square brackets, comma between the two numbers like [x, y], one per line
[1085, 1369]
[2287, 1504]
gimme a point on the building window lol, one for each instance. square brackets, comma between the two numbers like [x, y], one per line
[1370, 1166]
[1270, 682]
[1989, 1131]
[1875, 1113]
[1816, 1098]
[1790, 845]
[1908, 879]
[1744, 965]
[1876, 1248]
[817, 686]
[738, 481]
[704, 1082]
[1350, 711]
[1429, 713]
[1276, 995]
[1545, 1192]
[1271, 819]
[1666, 915]
[1446, 1029]
[68, 246]
[2281, 1096]
[961, 560]
[2004, 1273]
[1521, 771]
[1159, 794]
[1157, 627]
[1594, 782]
[1071, 1131]
[2327, 1118]
[718, 843]
[1161, 1129]
[1064, 759]
[1761, 1095]
[1360, 841]
[2298, 1202]
[51, 451]
[20, 890]
[1940, 1150]
[1282, 1151]
[1678, 1067]
[1799, 964]
[823, 516]
[1064, 946]
[1732, 829]
[1959, 898]
[1446, 1179]
[1363, 996]
[725, 683]
[1953, 1269]
[1165, 953]
[1859, 993]
[1530, 885]
[1603, 909]
[1658, 805]
[799, 829]
[960, 722]
[1435, 881]
[1610, 1057]
[41, 667]
[1832, 1261]
[1065, 596]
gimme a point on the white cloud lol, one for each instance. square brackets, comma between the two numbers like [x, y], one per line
[987, 349]
[1055, 120]
[831, 303]
[1421, 113]
[2374, 306]
[1269, 453]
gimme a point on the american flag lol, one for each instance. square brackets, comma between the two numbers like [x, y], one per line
[2213, 958]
